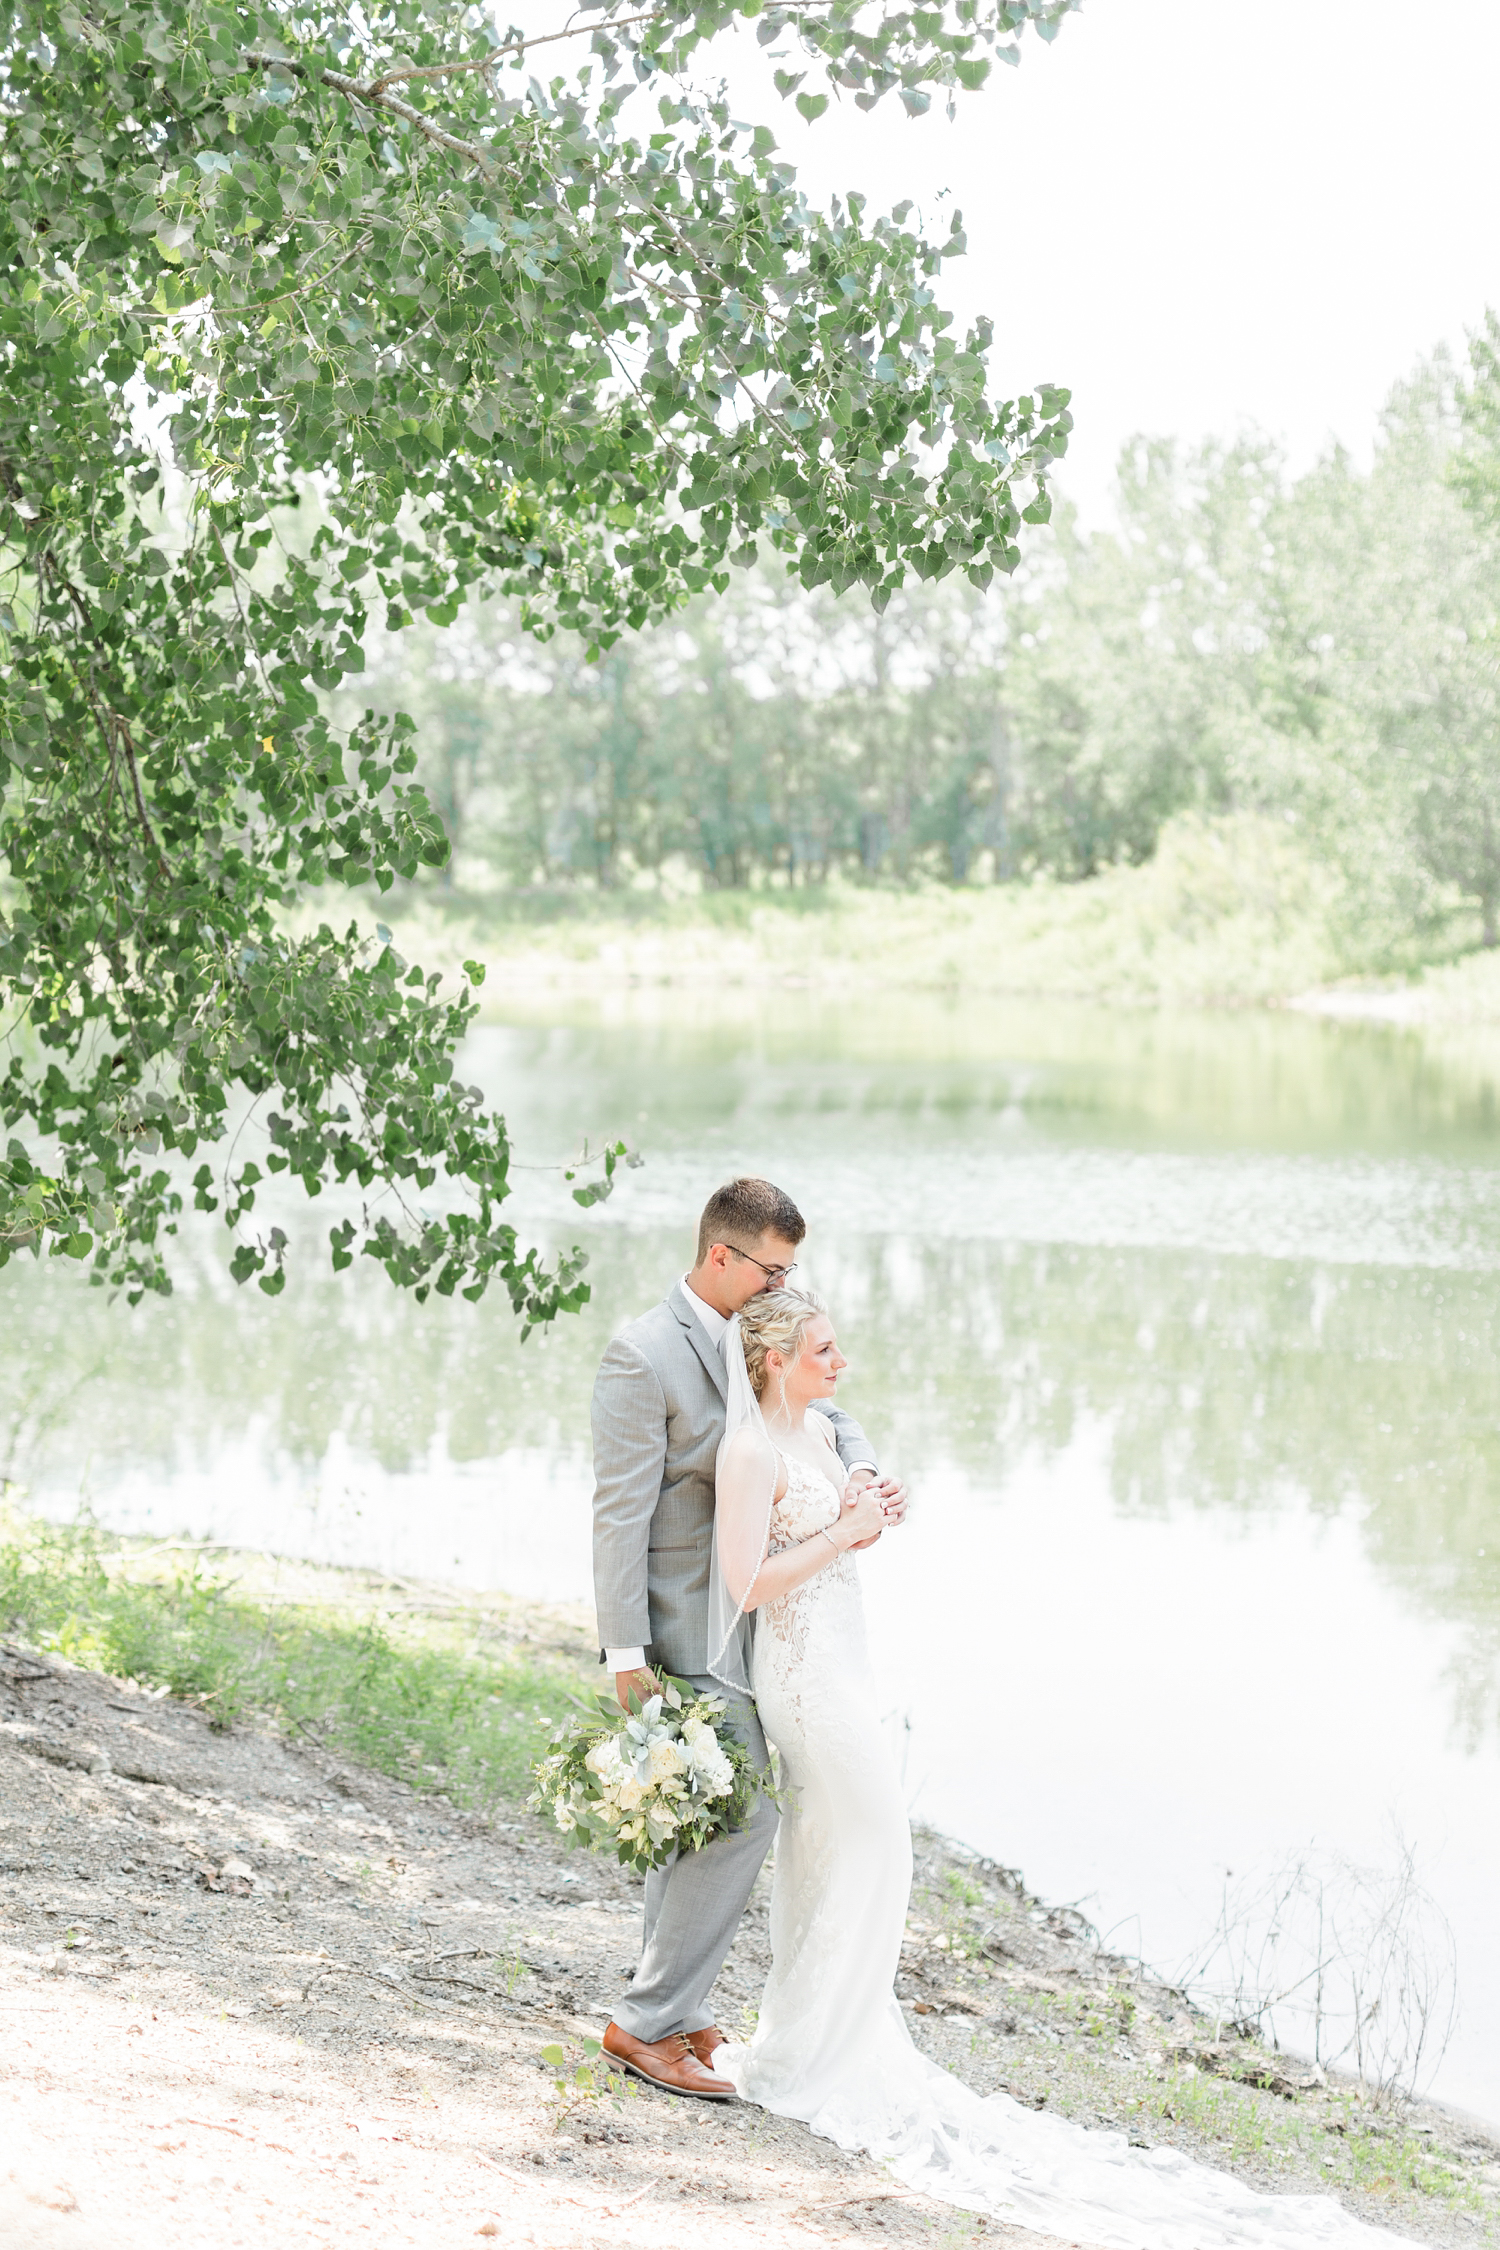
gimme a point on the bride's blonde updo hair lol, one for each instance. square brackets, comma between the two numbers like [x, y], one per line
[775, 1321]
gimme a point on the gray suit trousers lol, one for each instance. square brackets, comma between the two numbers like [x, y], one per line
[693, 1908]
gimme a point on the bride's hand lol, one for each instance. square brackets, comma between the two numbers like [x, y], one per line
[863, 1519]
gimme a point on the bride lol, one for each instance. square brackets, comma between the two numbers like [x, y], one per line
[830, 2045]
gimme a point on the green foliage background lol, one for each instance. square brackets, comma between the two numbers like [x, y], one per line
[1317, 652]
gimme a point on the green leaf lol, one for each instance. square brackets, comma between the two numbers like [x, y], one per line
[481, 233]
[812, 106]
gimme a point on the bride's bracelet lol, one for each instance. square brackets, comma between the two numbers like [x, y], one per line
[823, 1532]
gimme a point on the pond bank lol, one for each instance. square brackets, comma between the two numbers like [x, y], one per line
[253, 1979]
[1230, 912]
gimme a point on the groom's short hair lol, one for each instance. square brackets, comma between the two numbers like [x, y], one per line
[741, 1211]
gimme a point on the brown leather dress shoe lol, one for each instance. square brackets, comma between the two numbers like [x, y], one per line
[670, 2064]
[704, 2042]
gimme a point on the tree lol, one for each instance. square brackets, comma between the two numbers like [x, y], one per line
[765, 733]
[1388, 600]
[1135, 692]
[359, 271]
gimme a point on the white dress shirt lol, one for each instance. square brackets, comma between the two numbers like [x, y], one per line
[715, 1326]
[714, 1321]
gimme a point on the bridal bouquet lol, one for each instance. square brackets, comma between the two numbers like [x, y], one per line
[643, 1783]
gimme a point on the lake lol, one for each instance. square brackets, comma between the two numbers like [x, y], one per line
[1182, 1328]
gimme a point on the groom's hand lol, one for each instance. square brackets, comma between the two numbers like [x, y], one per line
[642, 1685]
[894, 1497]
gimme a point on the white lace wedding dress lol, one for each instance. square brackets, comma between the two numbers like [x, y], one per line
[831, 2045]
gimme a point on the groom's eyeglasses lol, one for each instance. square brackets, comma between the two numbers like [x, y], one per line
[776, 1275]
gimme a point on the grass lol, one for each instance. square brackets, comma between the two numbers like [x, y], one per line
[1227, 909]
[1347, 2142]
[1357, 2146]
[419, 1698]
[1093, 2055]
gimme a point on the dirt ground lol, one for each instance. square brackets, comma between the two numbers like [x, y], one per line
[252, 1996]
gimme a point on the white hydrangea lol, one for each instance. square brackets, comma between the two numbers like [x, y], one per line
[717, 1777]
[604, 1761]
[710, 1768]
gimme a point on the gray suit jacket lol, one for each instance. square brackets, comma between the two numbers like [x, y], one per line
[658, 1416]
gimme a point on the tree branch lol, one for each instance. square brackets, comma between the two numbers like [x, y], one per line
[406, 72]
[113, 728]
[127, 744]
[372, 98]
[373, 93]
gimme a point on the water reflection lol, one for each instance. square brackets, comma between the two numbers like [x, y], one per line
[1153, 1310]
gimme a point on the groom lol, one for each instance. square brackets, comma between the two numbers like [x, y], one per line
[658, 1417]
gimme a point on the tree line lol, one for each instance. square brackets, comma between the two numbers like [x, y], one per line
[1321, 648]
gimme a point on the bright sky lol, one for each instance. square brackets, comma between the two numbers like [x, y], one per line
[1202, 213]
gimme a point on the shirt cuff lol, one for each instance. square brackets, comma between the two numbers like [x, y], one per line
[625, 1659]
[853, 1465]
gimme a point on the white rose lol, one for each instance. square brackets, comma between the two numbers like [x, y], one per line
[629, 1793]
[666, 1761]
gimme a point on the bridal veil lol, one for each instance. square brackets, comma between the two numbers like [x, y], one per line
[745, 1485]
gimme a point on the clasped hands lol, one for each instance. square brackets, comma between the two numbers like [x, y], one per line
[871, 1506]
[889, 1491]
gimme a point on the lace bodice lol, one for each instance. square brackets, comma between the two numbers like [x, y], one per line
[808, 1505]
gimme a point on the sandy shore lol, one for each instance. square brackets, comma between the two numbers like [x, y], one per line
[253, 1995]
